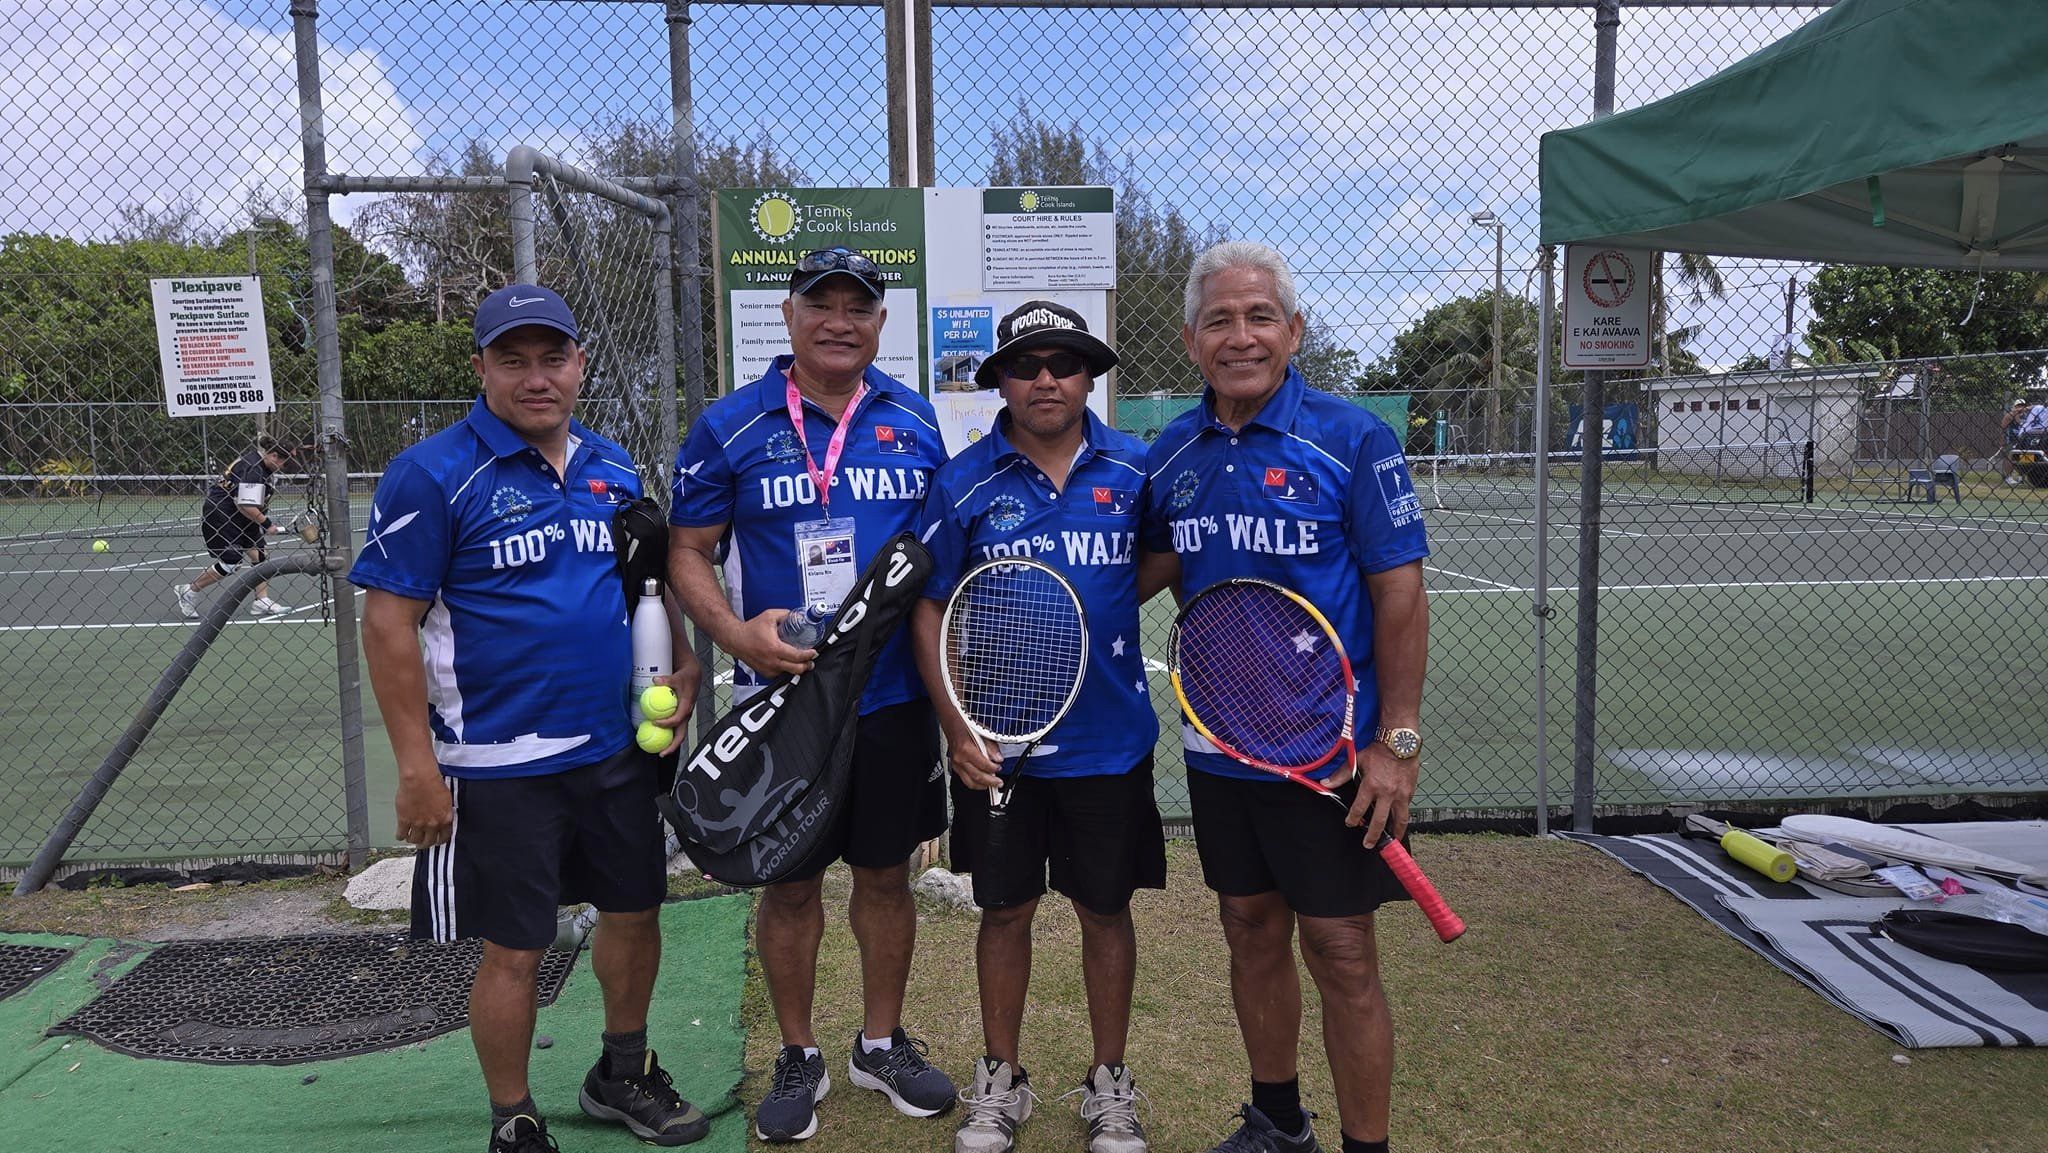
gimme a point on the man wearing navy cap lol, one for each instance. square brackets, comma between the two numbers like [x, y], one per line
[824, 451]
[1083, 808]
[494, 623]
[1224, 502]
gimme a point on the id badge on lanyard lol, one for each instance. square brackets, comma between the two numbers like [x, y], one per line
[825, 547]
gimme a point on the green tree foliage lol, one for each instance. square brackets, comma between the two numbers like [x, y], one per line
[1867, 313]
[1444, 361]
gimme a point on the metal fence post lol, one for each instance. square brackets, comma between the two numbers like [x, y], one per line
[333, 434]
[1539, 584]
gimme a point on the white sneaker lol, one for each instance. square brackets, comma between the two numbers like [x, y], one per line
[265, 607]
[188, 601]
[1109, 1104]
[995, 1105]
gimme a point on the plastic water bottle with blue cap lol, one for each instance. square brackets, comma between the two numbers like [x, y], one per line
[803, 628]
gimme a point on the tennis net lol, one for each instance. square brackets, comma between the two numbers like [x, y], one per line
[1768, 472]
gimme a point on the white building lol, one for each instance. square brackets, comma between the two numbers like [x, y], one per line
[1722, 424]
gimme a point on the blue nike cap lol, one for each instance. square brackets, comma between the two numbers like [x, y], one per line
[518, 305]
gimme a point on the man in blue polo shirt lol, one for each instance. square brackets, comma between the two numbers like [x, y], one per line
[489, 547]
[1270, 478]
[794, 483]
[1051, 473]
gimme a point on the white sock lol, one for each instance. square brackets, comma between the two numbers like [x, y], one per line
[810, 1051]
[869, 1045]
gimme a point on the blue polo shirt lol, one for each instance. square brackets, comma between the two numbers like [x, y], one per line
[528, 659]
[1313, 493]
[742, 466]
[991, 501]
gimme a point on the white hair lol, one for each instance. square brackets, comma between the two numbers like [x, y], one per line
[1239, 254]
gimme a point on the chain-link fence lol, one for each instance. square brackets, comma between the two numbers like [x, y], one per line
[1775, 626]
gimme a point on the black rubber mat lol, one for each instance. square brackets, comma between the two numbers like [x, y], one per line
[23, 965]
[282, 1000]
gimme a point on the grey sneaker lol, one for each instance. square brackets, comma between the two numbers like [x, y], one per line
[188, 601]
[1257, 1135]
[644, 1101]
[524, 1133]
[903, 1075]
[995, 1105]
[790, 1110]
[1109, 1104]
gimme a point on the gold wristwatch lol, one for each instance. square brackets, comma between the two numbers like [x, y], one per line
[1405, 744]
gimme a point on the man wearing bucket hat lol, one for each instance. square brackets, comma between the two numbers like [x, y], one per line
[824, 451]
[1084, 812]
[489, 550]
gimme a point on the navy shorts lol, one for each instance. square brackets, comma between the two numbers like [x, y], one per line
[523, 846]
[1261, 836]
[229, 535]
[896, 799]
[1098, 837]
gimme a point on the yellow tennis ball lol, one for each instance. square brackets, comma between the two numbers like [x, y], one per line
[658, 702]
[100, 546]
[653, 738]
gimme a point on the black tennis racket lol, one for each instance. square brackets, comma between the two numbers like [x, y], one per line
[1013, 650]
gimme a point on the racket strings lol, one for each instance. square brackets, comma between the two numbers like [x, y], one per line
[1015, 649]
[1261, 674]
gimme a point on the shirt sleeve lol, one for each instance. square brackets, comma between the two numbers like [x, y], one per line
[406, 547]
[1155, 532]
[705, 485]
[944, 535]
[1383, 512]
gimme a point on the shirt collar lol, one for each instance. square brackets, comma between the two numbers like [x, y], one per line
[1279, 410]
[775, 396]
[503, 442]
[1094, 436]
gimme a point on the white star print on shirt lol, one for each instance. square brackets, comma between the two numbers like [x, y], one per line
[1116, 647]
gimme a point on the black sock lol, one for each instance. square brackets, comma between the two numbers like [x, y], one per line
[1354, 1145]
[503, 1113]
[1280, 1101]
[625, 1053]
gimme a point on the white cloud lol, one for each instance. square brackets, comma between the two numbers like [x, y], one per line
[109, 108]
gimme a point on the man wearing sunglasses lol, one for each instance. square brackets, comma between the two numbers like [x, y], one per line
[828, 453]
[1051, 470]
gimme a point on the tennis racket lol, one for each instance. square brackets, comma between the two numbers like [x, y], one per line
[1013, 649]
[1262, 675]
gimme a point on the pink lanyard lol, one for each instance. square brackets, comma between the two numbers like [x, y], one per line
[822, 477]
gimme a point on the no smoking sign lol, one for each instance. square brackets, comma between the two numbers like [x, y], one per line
[1606, 312]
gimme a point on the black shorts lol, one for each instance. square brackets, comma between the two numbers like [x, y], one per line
[896, 800]
[227, 533]
[525, 845]
[1259, 836]
[1098, 836]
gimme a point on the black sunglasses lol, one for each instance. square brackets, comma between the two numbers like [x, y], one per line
[1060, 364]
[839, 260]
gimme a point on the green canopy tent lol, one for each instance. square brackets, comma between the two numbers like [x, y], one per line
[1908, 132]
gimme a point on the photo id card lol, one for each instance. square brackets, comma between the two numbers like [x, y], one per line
[824, 555]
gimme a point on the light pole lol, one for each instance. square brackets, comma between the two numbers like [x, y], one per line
[1486, 219]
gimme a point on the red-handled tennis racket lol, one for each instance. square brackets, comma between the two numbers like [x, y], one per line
[1262, 675]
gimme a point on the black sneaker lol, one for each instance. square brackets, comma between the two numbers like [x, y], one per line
[645, 1102]
[912, 1084]
[790, 1110]
[1257, 1135]
[524, 1133]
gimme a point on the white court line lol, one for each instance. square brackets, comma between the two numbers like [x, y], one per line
[107, 530]
[1753, 585]
[1469, 577]
[236, 621]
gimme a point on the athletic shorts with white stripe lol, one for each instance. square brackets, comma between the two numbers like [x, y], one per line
[522, 846]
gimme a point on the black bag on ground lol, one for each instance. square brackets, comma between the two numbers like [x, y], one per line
[1966, 940]
[761, 790]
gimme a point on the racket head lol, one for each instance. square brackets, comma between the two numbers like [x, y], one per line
[1013, 648]
[1262, 674]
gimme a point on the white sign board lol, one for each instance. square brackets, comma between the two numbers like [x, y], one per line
[1047, 239]
[759, 336]
[1606, 307]
[213, 344]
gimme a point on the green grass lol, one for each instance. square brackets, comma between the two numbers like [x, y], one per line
[1585, 1009]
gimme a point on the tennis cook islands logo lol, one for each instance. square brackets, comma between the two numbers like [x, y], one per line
[774, 216]
[1005, 513]
[510, 505]
[783, 446]
[1182, 492]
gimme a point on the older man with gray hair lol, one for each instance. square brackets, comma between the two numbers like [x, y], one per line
[1277, 855]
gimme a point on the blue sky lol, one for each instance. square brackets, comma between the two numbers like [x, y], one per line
[1357, 141]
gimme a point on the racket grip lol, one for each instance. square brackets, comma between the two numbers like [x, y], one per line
[1446, 923]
